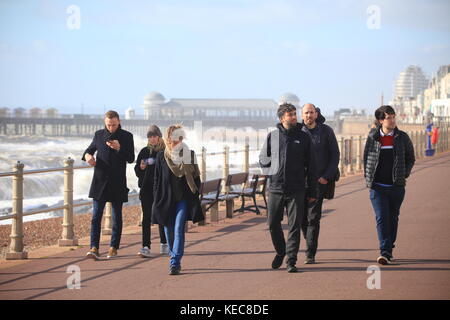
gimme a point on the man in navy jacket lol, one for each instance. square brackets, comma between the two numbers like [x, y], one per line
[327, 156]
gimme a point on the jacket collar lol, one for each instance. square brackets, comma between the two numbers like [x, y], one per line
[297, 127]
[111, 136]
[375, 133]
[382, 134]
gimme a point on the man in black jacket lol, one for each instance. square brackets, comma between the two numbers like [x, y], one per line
[388, 161]
[114, 147]
[327, 156]
[287, 156]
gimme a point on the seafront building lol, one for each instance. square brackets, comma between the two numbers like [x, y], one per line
[418, 100]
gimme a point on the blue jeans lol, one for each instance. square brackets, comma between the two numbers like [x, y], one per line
[175, 234]
[96, 222]
[386, 202]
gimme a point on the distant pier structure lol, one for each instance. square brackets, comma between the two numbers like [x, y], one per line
[230, 113]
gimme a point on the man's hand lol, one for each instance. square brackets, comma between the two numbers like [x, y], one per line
[113, 144]
[90, 159]
[310, 200]
[323, 180]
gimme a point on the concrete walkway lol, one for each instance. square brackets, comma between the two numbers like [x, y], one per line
[231, 259]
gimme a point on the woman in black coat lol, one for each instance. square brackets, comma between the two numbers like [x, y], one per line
[145, 171]
[176, 193]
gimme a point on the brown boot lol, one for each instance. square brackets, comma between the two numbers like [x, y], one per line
[93, 254]
[112, 253]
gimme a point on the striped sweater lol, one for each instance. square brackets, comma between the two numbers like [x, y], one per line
[402, 158]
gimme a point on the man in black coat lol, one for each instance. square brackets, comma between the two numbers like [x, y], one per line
[327, 156]
[114, 147]
[287, 156]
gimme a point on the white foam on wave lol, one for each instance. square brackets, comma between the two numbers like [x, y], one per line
[38, 152]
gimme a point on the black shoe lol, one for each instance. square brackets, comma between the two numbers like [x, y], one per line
[277, 261]
[174, 270]
[310, 260]
[291, 268]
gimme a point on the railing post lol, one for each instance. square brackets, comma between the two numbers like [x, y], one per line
[226, 167]
[422, 142]
[203, 165]
[68, 235]
[445, 134]
[246, 157]
[341, 161]
[416, 143]
[350, 155]
[107, 228]
[16, 247]
[359, 154]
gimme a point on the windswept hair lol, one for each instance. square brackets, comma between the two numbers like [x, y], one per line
[283, 108]
[380, 113]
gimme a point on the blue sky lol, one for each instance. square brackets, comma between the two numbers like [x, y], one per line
[322, 51]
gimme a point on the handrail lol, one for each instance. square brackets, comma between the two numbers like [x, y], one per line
[56, 208]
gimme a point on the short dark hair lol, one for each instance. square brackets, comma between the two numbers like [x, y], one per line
[285, 107]
[380, 113]
[112, 114]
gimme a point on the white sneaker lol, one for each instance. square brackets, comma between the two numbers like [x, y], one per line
[145, 252]
[383, 260]
[164, 248]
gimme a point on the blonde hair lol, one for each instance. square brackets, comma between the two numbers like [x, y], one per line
[174, 133]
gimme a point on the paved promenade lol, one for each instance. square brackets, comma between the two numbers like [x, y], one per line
[231, 259]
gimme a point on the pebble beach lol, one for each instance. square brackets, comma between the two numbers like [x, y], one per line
[47, 232]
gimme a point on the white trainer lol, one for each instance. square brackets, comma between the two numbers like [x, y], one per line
[164, 248]
[145, 252]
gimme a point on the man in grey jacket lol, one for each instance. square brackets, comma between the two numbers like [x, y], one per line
[288, 158]
[327, 153]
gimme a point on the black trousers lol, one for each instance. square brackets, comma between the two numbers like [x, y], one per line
[311, 223]
[146, 204]
[294, 206]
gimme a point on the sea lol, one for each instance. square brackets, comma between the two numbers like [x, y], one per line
[46, 189]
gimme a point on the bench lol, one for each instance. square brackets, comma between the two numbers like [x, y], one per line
[261, 188]
[257, 186]
[209, 198]
[233, 180]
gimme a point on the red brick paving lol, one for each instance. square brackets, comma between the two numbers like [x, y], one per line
[231, 259]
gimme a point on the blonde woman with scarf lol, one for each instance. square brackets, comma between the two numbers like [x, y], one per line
[176, 192]
[145, 171]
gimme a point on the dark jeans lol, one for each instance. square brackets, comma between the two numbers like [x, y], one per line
[175, 233]
[97, 214]
[386, 202]
[311, 222]
[146, 205]
[294, 205]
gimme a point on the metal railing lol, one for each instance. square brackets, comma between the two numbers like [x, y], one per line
[67, 237]
[16, 247]
[352, 148]
[351, 162]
